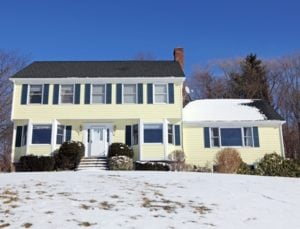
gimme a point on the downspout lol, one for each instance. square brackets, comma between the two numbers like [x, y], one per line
[281, 141]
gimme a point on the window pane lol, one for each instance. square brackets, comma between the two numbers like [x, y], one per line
[98, 89]
[160, 89]
[231, 137]
[153, 133]
[215, 132]
[129, 89]
[170, 133]
[215, 142]
[98, 98]
[35, 94]
[129, 99]
[135, 134]
[67, 99]
[161, 98]
[67, 93]
[60, 134]
[41, 134]
[66, 89]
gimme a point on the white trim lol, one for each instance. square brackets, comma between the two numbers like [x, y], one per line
[99, 80]
[273, 123]
[13, 103]
[13, 143]
[281, 142]
[154, 123]
[41, 124]
[29, 136]
[53, 134]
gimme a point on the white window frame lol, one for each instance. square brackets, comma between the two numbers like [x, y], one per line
[60, 89]
[41, 124]
[173, 133]
[28, 94]
[220, 137]
[153, 143]
[91, 93]
[154, 93]
[64, 134]
[136, 93]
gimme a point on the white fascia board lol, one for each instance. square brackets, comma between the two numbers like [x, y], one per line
[272, 123]
[98, 80]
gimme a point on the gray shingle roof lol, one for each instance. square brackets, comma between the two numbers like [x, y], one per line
[62, 69]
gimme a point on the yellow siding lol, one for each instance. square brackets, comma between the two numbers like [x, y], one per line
[153, 152]
[19, 152]
[40, 150]
[99, 111]
[193, 144]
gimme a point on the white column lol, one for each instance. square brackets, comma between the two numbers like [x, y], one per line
[165, 138]
[141, 139]
[281, 141]
[53, 135]
[29, 136]
[13, 144]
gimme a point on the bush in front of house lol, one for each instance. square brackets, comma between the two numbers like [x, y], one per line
[177, 158]
[228, 160]
[36, 163]
[197, 168]
[154, 166]
[246, 169]
[120, 163]
[275, 165]
[69, 155]
[120, 149]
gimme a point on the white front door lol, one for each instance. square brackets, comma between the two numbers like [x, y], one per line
[98, 142]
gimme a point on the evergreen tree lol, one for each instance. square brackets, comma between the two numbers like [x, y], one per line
[251, 81]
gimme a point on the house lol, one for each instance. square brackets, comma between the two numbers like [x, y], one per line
[99, 102]
[135, 102]
[250, 126]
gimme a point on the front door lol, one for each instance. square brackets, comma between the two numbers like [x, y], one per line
[98, 142]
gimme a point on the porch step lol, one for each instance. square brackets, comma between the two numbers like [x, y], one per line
[99, 163]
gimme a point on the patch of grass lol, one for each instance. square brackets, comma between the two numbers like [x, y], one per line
[86, 224]
[27, 225]
[201, 209]
[4, 225]
[92, 201]
[85, 207]
[114, 196]
[64, 193]
[105, 205]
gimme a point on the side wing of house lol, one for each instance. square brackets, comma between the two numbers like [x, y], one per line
[252, 140]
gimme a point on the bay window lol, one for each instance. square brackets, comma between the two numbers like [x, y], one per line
[41, 134]
[153, 133]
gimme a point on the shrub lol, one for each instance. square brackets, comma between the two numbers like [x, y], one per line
[228, 160]
[69, 155]
[246, 169]
[155, 166]
[275, 165]
[197, 168]
[36, 163]
[120, 149]
[178, 160]
[120, 163]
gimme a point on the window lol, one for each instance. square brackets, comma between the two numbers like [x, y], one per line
[214, 136]
[60, 134]
[160, 93]
[231, 137]
[67, 94]
[41, 134]
[24, 136]
[130, 93]
[153, 133]
[135, 134]
[248, 136]
[170, 134]
[35, 94]
[98, 94]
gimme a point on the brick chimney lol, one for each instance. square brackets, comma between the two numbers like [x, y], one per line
[179, 56]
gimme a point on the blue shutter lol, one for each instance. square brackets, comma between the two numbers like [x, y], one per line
[55, 93]
[24, 94]
[18, 136]
[177, 135]
[206, 137]
[256, 136]
[46, 94]
[108, 93]
[77, 93]
[87, 94]
[149, 93]
[128, 135]
[68, 133]
[119, 93]
[171, 92]
[140, 93]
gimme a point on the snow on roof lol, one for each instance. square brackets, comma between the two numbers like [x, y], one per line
[221, 110]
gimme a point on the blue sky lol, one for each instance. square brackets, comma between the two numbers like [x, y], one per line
[118, 30]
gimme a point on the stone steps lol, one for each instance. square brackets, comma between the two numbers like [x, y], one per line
[99, 163]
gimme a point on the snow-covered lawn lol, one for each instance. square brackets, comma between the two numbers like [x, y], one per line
[147, 200]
